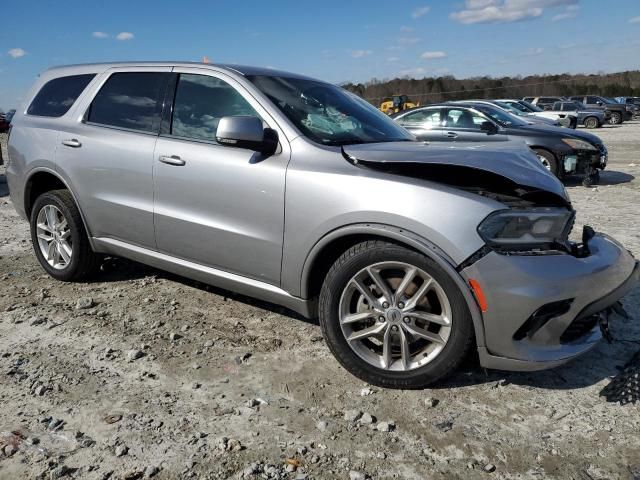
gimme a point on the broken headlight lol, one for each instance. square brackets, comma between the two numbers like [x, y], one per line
[578, 144]
[531, 227]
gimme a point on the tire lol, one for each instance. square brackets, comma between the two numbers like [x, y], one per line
[82, 261]
[616, 118]
[573, 123]
[548, 159]
[357, 356]
[591, 122]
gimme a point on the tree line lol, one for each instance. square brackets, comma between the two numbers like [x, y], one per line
[439, 89]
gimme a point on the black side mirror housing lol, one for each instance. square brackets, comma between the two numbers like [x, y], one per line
[489, 127]
[247, 132]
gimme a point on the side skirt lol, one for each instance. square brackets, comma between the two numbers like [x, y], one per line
[212, 276]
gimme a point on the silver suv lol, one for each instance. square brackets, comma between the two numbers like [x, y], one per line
[295, 191]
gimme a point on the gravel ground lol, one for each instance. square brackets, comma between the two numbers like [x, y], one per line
[142, 374]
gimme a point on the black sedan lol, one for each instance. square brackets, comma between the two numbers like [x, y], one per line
[563, 151]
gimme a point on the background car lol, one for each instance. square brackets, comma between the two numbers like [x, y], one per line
[619, 113]
[544, 103]
[588, 118]
[9, 115]
[4, 123]
[565, 119]
[562, 151]
[514, 111]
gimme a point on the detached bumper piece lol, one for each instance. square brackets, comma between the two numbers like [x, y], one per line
[541, 310]
[625, 387]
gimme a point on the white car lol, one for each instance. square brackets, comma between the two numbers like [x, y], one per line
[566, 119]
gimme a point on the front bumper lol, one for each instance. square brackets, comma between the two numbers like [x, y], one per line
[518, 287]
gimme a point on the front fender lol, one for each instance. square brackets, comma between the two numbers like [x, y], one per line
[409, 239]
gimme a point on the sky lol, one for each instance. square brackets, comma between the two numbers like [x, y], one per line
[338, 41]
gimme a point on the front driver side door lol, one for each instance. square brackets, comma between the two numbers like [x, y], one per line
[464, 125]
[215, 205]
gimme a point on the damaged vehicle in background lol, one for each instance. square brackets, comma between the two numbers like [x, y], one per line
[562, 151]
[410, 254]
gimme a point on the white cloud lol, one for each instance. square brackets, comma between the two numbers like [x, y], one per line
[570, 12]
[503, 11]
[634, 20]
[535, 51]
[432, 55]
[100, 35]
[412, 72]
[393, 59]
[420, 12]
[405, 29]
[16, 52]
[360, 53]
[125, 36]
[408, 40]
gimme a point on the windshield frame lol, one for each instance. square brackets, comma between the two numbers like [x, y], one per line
[292, 97]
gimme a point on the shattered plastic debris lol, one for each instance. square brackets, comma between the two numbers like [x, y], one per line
[625, 387]
[47, 443]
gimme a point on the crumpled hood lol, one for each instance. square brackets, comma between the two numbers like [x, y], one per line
[511, 160]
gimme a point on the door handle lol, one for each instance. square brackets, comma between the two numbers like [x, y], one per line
[73, 143]
[172, 160]
[452, 135]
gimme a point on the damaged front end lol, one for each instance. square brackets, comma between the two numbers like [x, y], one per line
[538, 288]
[537, 217]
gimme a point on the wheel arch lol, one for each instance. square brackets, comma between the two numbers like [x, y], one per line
[335, 243]
[42, 180]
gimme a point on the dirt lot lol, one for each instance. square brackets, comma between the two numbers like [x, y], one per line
[142, 374]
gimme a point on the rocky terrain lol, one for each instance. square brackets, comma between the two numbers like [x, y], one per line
[141, 374]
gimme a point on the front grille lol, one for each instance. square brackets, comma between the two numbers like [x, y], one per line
[578, 329]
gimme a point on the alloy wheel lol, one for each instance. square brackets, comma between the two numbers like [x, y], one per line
[395, 316]
[54, 237]
[545, 161]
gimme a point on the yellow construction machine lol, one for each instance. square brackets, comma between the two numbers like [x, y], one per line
[396, 103]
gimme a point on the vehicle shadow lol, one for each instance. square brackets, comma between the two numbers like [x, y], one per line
[115, 269]
[4, 188]
[607, 177]
[606, 361]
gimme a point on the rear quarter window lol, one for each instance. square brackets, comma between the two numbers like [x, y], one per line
[130, 100]
[57, 96]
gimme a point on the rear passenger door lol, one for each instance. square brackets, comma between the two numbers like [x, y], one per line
[216, 205]
[425, 124]
[106, 153]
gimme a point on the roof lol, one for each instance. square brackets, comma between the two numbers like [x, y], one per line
[243, 70]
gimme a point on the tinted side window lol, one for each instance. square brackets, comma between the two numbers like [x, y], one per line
[201, 101]
[422, 118]
[592, 100]
[130, 100]
[460, 118]
[57, 96]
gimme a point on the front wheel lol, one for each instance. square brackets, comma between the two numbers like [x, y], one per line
[393, 317]
[548, 160]
[59, 238]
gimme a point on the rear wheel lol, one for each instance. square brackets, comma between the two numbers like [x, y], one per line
[393, 317]
[548, 160]
[591, 122]
[616, 118]
[59, 238]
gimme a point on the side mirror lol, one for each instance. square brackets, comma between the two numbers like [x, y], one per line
[247, 132]
[599, 103]
[489, 127]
